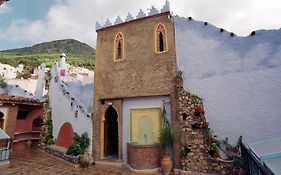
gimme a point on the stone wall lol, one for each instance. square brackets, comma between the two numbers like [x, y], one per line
[194, 149]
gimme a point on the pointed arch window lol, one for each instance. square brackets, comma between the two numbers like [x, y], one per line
[160, 39]
[119, 47]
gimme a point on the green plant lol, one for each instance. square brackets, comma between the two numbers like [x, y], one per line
[74, 150]
[50, 141]
[80, 145]
[49, 123]
[213, 147]
[167, 137]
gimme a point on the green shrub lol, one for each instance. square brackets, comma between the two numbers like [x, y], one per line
[80, 145]
[74, 150]
[50, 141]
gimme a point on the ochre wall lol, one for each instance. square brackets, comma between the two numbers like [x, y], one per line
[142, 73]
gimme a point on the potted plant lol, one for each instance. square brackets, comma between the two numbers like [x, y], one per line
[84, 144]
[167, 137]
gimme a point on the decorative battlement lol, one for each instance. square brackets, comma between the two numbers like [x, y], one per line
[141, 14]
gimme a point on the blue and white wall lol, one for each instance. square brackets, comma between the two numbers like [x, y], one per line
[64, 103]
[140, 102]
[237, 77]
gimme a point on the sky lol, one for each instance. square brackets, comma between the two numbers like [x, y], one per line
[28, 22]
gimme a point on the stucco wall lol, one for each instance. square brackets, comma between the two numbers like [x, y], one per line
[141, 102]
[7, 71]
[26, 84]
[238, 78]
[143, 72]
[62, 111]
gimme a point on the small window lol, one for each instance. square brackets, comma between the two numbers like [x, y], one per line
[22, 115]
[160, 39]
[119, 47]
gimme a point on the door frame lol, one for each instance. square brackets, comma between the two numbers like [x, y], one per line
[102, 149]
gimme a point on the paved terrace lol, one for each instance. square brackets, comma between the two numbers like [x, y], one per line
[37, 162]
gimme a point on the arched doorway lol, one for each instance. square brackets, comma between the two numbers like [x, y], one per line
[111, 134]
[1, 120]
[65, 136]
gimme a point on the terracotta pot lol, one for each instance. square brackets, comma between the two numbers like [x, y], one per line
[84, 160]
[166, 164]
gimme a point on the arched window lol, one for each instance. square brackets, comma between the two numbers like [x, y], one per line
[161, 39]
[119, 47]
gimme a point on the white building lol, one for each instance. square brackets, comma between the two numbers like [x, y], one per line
[71, 105]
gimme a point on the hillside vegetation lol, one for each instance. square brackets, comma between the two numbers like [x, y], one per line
[78, 54]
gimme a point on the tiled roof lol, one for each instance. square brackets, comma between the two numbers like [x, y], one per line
[11, 99]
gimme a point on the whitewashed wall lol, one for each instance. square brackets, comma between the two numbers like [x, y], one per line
[7, 71]
[237, 77]
[27, 84]
[142, 102]
[62, 111]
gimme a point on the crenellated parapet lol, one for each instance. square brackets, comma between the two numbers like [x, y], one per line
[141, 14]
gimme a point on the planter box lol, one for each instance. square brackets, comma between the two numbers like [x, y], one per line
[61, 153]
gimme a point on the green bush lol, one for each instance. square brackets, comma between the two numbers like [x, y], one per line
[74, 150]
[50, 141]
[80, 145]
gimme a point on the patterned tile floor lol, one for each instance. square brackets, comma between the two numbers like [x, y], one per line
[36, 162]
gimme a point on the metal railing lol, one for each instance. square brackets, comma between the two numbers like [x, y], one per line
[252, 164]
[4, 149]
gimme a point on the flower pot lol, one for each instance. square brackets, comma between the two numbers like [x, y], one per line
[84, 160]
[166, 164]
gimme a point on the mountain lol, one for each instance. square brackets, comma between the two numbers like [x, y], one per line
[78, 54]
[67, 45]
